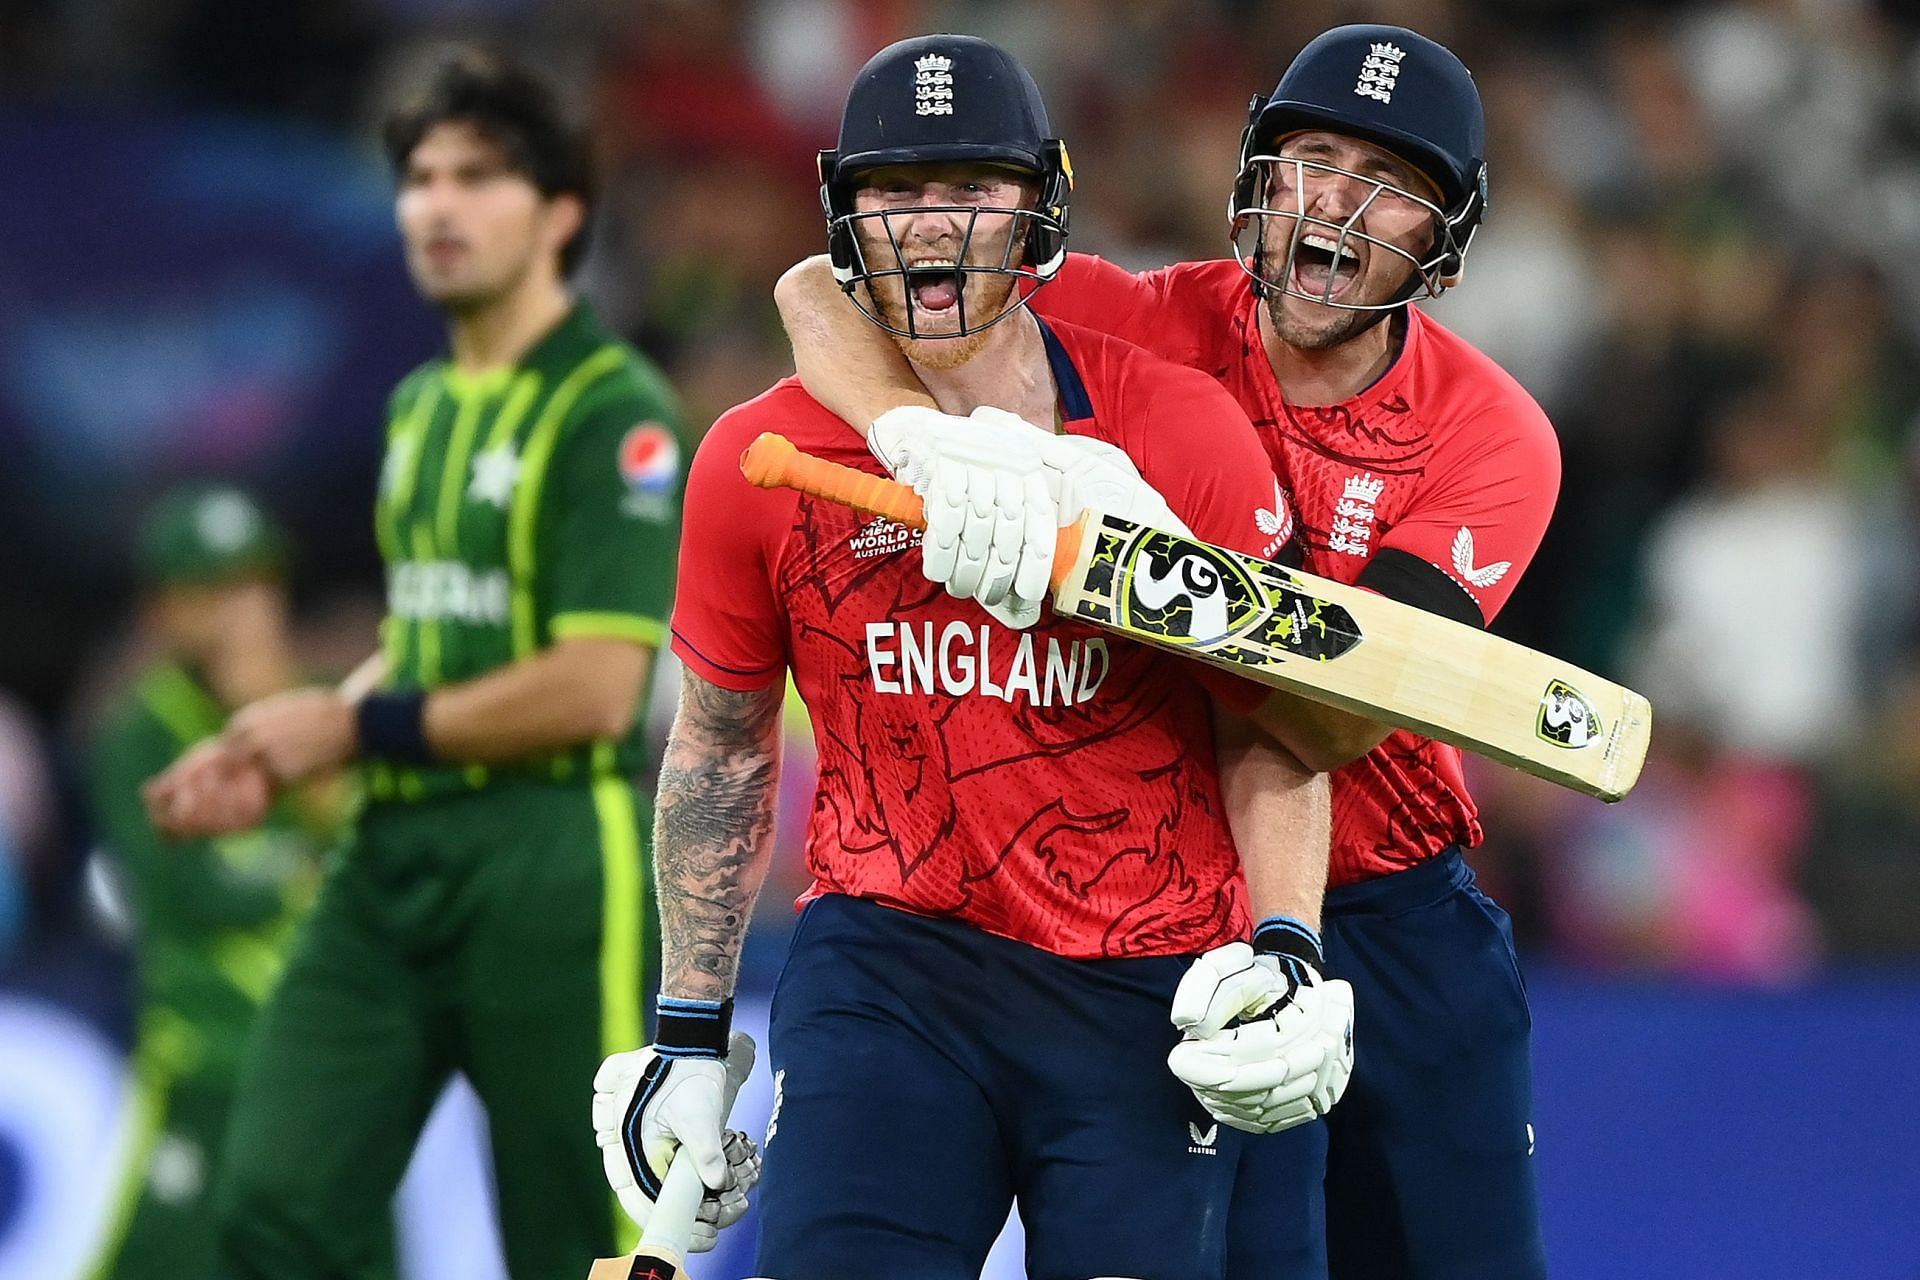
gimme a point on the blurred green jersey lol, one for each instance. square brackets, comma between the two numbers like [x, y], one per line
[533, 503]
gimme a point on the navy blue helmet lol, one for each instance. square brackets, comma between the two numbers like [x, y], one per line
[1400, 91]
[946, 99]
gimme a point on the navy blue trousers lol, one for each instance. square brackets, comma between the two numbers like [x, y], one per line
[1429, 1169]
[928, 1075]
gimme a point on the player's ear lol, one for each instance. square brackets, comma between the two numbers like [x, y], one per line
[566, 214]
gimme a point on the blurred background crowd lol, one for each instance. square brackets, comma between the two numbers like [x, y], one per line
[1702, 256]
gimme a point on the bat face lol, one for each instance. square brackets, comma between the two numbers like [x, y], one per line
[1177, 592]
[1335, 643]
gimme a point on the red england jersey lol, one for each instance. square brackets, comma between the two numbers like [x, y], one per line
[1055, 785]
[1446, 458]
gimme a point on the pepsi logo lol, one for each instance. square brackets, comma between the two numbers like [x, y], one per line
[650, 458]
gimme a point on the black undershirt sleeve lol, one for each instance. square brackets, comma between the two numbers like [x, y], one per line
[1403, 576]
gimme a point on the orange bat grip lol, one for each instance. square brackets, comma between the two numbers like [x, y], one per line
[772, 462]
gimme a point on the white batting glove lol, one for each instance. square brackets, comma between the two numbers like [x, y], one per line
[653, 1102]
[911, 440]
[1085, 474]
[1082, 473]
[990, 535]
[1268, 1042]
[991, 520]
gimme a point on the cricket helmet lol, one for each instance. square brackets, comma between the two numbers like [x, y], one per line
[947, 99]
[1391, 87]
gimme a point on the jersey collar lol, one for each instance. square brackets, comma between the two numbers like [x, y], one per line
[576, 333]
[1075, 403]
[490, 383]
[1383, 389]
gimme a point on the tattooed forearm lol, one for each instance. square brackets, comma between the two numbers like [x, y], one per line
[713, 831]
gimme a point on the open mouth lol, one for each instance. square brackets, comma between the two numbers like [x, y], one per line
[1323, 266]
[934, 285]
[443, 251]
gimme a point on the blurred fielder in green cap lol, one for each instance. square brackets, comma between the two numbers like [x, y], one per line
[211, 918]
[209, 534]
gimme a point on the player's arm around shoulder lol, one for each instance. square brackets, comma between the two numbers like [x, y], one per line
[844, 361]
[847, 364]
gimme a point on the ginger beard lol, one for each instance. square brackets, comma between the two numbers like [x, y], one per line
[927, 299]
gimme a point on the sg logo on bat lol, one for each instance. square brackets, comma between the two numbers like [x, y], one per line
[1179, 593]
[1184, 591]
[1567, 719]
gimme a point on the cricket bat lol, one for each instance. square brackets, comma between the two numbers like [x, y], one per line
[1321, 639]
[662, 1251]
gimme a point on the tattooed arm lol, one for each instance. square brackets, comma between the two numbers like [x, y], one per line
[713, 833]
[713, 839]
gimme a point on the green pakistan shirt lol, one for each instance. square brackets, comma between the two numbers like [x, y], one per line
[519, 507]
[214, 917]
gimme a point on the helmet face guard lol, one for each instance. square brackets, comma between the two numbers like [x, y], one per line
[1388, 87]
[1263, 173]
[1033, 253]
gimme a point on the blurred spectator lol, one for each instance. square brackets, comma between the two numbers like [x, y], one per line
[1698, 876]
[1532, 307]
[1752, 577]
[210, 919]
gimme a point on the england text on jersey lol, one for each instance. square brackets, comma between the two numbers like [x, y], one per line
[1054, 785]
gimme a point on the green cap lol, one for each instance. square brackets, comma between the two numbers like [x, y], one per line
[208, 533]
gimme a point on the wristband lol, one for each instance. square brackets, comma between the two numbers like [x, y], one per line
[691, 1028]
[1296, 943]
[393, 726]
